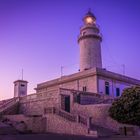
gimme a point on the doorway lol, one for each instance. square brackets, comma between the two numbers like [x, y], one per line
[65, 102]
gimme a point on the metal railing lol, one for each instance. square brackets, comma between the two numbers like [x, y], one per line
[5, 101]
[38, 96]
[8, 104]
[68, 116]
[95, 98]
[83, 120]
[64, 114]
[49, 110]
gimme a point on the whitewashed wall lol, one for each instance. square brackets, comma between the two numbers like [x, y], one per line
[113, 84]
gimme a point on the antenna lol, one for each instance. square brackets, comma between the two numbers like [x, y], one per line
[62, 70]
[123, 66]
[22, 73]
[89, 9]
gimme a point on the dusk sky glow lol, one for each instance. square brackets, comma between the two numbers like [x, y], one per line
[40, 36]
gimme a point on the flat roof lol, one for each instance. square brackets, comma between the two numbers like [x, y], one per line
[20, 81]
[87, 73]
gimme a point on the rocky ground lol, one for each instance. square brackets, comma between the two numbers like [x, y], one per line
[50, 136]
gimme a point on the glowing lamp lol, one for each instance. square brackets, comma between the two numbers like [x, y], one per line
[89, 20]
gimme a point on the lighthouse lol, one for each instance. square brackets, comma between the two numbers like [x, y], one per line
[89, 42]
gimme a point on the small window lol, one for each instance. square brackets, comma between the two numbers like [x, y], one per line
[107, 88]
[84, 33]
[84, 88]
[22, 85]
[117, 92]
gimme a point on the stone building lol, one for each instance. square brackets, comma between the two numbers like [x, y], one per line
[74, 104]
[20, 88]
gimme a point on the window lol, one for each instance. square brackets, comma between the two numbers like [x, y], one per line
[107, 88]
[84, 33]
[22, 85]
[117, 92]
[84, 88]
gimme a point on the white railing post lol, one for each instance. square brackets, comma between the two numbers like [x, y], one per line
[77, 118]
[89, 122]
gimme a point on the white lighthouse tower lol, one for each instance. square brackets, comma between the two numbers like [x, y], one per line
[90, 43]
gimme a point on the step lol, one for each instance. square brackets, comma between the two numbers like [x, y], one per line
[102, 131]
[7, 129]
[92, 133]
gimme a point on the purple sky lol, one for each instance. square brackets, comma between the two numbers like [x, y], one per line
[40, 36]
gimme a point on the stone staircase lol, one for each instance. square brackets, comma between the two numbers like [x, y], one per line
[92, 129]
[7, 129]
[68, 116]
[103, 131]
[9, 107]
[77, 119]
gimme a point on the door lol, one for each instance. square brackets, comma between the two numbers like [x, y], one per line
[67, 103]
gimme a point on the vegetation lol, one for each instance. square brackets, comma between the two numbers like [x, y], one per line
[126, 109]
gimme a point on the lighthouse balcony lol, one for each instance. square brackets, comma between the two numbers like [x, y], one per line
[85, 36]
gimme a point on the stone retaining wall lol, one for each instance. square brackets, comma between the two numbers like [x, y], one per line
[35, 104]
[35, 124]
[58, 124]
[100, 116]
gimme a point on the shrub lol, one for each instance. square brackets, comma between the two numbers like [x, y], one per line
[126, 109]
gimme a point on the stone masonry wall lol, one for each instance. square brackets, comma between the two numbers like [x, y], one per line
[35, 104]
[90, 82]
[99, 114]
[34, 124]
[57, 124]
